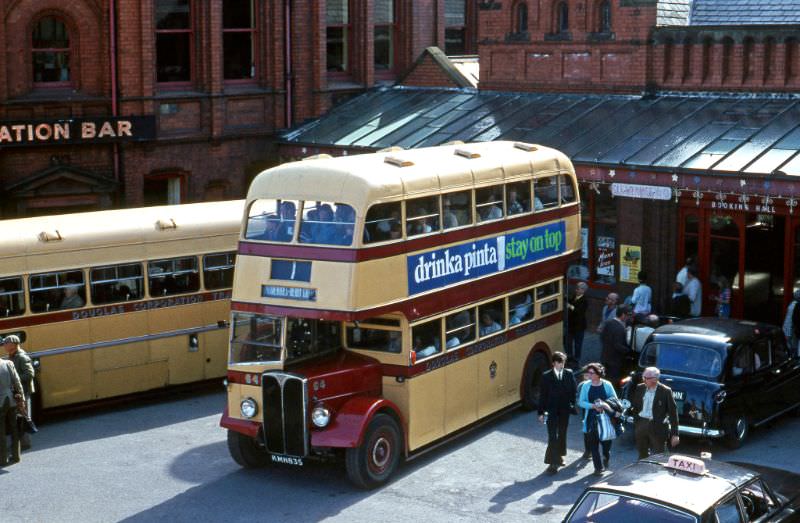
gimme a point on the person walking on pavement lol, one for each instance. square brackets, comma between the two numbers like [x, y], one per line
[615, 344]
[557, 392]
[24, 367]
[653, 407]
[576, 321]
[642, 296]
[593, 398]
[609, 310]
[10, 394]
[694, 291]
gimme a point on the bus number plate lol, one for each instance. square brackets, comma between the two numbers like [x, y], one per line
[287, 460]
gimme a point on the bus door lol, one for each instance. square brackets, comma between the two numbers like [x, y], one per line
[218, 279]
[120, 368]
[461, 394]
[172, 313]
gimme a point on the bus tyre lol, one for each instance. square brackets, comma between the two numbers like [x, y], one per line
[246, 451]
[371, 464]
[736, 431]
[537, 364]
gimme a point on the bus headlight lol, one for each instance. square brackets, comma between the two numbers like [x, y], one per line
[320, 416]
[249, 407]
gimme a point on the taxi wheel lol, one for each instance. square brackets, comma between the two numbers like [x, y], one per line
[531, 377]
[736, 431]
[371, 464]
[246, 451]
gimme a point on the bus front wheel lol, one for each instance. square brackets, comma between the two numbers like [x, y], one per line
[536, 365]
[246, 451]
[371, 464]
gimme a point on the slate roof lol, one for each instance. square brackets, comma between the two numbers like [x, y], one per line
[744, 12]
[702, 133]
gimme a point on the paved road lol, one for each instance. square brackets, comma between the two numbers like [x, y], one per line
[168, 461]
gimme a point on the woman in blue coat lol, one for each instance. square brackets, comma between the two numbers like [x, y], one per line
[592, 398]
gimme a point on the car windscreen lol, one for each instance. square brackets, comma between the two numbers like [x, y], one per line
[681, 359]
[607, 507]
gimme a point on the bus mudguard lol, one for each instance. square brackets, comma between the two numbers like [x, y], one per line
[348, 424]
[248, 428]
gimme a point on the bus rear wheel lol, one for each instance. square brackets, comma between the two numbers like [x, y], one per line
[246, 451]
[536, 365]
[371, 464]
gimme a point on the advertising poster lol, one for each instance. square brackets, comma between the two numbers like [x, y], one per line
[606, 246]
[630, 262]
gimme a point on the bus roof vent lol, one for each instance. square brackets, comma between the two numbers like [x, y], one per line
[467, 154]
[163, 225]
[392, 149]
[526, 146]
[50, 236]
[398, 162]
[321, 156]
[455, 142]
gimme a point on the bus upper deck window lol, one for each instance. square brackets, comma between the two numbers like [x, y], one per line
[489, 203]
[518, 198]
[327, 223]
[422, 215]
[12, 301]
[457, 209]
[383, 223]
[218, 270]
[116, 283]
[459, 328]
[55, 291]
[271, 220]
[567, 190]
[173, 276]
[545, 193]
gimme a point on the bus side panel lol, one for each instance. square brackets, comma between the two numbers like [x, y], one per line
[381, 280]
[397, 393]
[65, 378]
[185, 362]
[518, 351]
[214, 343]
[426, 409]
[126, 380]
[492, 380]
[461, 396]
[110, 328]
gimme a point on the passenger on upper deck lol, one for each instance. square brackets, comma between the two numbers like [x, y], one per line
[488, 325]
[285, 230]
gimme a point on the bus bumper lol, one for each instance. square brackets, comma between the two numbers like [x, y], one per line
[248, 428]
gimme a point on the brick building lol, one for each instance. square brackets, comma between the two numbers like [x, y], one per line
[107, 103]
[681, 116]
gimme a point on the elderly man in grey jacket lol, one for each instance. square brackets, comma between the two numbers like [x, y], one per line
[10, 393]
[24, 365]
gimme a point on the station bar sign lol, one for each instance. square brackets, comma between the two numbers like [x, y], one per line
[77, 131]
[470, 260]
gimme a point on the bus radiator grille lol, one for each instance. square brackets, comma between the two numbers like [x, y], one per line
[285, 428]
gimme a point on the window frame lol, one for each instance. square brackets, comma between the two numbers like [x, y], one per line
[59, 84]
[561, 19]
[230, 256]
[461, 28]
[347, 43]
[389, 72]
[115, 266]
[19, 292]
[190, 31]
[254, 48]
[174, 272]
[521, 17]
[65, 273]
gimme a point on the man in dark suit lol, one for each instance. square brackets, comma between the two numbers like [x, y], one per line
[557, 399]
[652, 406]
[615, 344]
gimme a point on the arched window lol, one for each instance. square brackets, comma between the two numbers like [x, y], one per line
[708, 44]
[562, 18]
[748, 59]
[605, 16]
[521, 18]
[769, 56]
[669, 52]
[727, 55]
[51, 52]
[688, 51]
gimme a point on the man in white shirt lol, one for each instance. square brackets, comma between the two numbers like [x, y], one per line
[694, 291]
[642, 296]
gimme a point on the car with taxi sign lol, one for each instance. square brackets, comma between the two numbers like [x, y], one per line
[684, 489]
[727, 376]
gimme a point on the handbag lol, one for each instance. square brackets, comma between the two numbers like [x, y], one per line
[605, 429]
[26, 425]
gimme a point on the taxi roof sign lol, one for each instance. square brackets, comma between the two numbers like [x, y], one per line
[686, 464]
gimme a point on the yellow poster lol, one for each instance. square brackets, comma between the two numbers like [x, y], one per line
[630, 262]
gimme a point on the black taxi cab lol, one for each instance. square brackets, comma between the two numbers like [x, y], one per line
[727, 375]
[684, 489]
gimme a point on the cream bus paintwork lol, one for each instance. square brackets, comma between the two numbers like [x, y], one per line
[104, 372]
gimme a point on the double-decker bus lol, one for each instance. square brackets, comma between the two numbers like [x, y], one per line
[116, 302]
[385, 302]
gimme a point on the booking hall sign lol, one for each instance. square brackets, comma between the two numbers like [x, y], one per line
[77, 131]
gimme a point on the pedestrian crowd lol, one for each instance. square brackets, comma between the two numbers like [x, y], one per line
[16, 388]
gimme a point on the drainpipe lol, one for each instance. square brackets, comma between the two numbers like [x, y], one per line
[287, 51]
[112, 31]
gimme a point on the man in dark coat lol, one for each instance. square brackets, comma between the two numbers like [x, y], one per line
[24, 366]
[653, 406]
[615, 344]
[557, 399]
